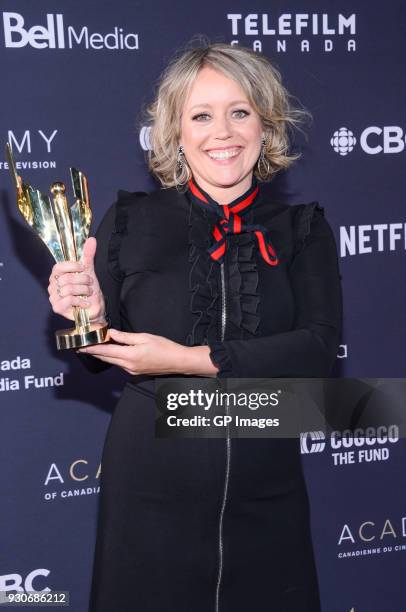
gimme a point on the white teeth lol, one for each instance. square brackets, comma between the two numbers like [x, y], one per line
[223, 154]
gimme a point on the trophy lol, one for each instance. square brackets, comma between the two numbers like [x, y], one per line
[64, 230]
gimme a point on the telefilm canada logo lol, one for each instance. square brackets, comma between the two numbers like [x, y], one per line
[373, 140]
[305, 32]
[53, 33]
[349, 447]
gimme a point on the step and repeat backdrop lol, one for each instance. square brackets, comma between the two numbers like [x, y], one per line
[74, 80]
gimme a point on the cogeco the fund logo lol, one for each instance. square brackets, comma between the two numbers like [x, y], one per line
[312, 442]
[53, 33]
[355, 446]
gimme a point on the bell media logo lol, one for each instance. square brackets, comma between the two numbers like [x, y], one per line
[373, 140]
[53, 33]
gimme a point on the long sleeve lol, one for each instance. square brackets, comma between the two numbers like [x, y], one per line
[310, 348]
[107, 236]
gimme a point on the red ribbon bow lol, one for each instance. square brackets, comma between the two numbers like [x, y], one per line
[233, 223]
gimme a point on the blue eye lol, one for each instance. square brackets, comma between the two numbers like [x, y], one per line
[199, 116]
[238, 113]
[241, 113]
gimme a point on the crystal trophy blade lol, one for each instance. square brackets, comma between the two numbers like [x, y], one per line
[64, 230]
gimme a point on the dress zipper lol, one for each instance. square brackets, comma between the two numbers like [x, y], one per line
[223, 303]
[228, 450]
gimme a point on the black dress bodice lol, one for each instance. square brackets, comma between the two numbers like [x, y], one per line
[157, 276]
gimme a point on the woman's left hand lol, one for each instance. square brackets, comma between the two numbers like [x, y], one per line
[141, 353]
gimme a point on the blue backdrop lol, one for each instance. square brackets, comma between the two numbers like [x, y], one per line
[74, 78]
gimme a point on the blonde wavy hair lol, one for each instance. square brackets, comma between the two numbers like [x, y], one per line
[261, 83]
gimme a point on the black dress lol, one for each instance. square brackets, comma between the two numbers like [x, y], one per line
[210, 525]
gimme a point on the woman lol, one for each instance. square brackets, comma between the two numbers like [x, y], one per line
[207, 277]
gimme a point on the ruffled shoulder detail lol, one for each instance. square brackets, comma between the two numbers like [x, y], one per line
[302, 222]
[243, 292]
[125, 201]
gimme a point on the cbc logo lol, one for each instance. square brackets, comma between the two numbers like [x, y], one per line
[16, 582]
[342, 351]
[312, 442]
[343, 141]
[145, 140]
[373, 140]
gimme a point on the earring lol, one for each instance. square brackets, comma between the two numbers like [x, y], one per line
[180, 162]
[181, 174]
[263, 142]
[264, 167]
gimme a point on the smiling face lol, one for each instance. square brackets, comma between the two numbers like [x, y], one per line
[221, 135]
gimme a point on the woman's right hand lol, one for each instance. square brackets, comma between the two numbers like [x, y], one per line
[75, 284]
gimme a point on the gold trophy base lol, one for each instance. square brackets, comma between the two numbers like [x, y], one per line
[95, 333]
